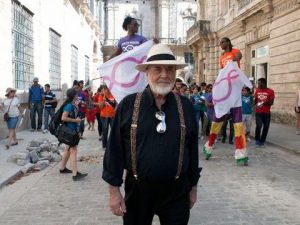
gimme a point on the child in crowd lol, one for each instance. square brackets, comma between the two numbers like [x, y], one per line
[196, 101]
[247, 102]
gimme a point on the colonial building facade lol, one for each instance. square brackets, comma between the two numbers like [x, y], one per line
[267, 33]
[167, 20]
[57, 41]
[54, 40]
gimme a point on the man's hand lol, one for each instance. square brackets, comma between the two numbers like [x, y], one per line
[117, 203]
[193, 196]
[155, 40]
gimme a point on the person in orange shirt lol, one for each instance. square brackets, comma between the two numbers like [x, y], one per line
[229, 54]
[98, 111]
[107, 105]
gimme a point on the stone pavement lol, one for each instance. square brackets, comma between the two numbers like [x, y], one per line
[283, 136]
[264, 193]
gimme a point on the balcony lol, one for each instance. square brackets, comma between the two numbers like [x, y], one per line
[243, 3]
[198, 31]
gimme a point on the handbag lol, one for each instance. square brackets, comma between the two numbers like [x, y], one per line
[67, 135]
[6, 115]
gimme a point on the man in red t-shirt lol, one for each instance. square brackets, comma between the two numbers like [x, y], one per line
[264, 99]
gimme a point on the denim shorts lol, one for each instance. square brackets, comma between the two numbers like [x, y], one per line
[12, 122]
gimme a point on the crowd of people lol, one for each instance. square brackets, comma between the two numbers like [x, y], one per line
[261, 99]
[155, 134]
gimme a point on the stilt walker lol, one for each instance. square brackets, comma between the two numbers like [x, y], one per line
[227, 99]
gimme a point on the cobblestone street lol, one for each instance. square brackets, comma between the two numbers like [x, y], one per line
[265, 192]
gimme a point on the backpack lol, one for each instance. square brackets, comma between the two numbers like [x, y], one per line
[56, 121]
[61, 131]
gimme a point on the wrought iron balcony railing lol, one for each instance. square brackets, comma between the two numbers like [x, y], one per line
[200, 28]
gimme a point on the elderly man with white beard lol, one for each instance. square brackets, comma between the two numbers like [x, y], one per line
[155, 139]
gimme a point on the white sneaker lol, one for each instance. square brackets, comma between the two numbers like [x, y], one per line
[248, 139]
[297, 132]
[45, 131]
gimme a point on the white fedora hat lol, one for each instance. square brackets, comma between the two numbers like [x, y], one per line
[160, 54]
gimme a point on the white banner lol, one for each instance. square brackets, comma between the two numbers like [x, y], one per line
[120, 75]
[227, 89]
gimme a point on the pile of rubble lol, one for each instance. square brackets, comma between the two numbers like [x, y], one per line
[38, 155]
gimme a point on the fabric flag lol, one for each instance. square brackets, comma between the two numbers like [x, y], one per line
[227, 89]
[120, 75]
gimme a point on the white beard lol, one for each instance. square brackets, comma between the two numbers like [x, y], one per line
[161, 90]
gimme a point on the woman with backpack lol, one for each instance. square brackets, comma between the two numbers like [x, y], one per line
[69, 117]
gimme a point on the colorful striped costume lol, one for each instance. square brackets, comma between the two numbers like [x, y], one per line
[227, 99]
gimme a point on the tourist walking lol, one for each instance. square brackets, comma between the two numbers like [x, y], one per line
[98, 111]
[50, 103]
[107, 105]
[13, 110]
[91, 114]
[69, 117]
[35, 99]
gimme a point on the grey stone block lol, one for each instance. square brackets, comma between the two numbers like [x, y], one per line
[33, 156]
[22, 154]
[54, 148]
[56, 157]
[42, 140]
[34, 143]
[22, 162]
[37, 149]
[45, 155]
[26, 168]
[45, 147]
[40, 165]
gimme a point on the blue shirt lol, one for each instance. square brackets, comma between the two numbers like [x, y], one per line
[48, 97]
[196, 102]
[247, 104]
[72, 114]
[36, 93]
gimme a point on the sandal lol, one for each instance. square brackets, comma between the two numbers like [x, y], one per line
[16, 143]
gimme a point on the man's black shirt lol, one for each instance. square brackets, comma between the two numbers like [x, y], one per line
[157, 153]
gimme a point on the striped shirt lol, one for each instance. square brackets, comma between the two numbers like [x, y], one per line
[48, 97]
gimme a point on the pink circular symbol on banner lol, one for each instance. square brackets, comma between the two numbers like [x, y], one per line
[112, 80]
[229, 79]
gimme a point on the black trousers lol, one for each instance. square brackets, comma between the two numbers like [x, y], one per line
[99, 124]
[262, 123]
[168, 200]
[81, 124]
[224, 130]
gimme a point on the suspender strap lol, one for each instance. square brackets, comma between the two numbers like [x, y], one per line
[182, 135]
[134, 124]
[133, 134]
